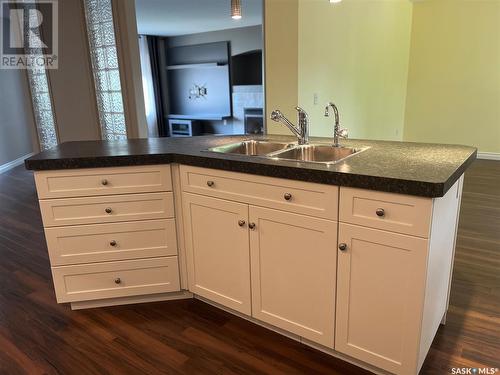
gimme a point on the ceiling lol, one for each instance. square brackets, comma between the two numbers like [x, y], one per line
[181, 17]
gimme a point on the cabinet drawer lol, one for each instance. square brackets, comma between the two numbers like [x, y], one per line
[95, 210]
[115, 241]
[116, 279]
[393, 212]
[294, 196]
[103, 181]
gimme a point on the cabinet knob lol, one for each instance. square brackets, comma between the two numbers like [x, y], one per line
[118, 280]
[210, 183]
[241, 223]
[251, 226]
[108, 210]
[342, 246]
[104, 182]
[380, 212]
[112, 243]
[287, 196]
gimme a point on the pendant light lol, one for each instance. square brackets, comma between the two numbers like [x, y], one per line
[236, 9]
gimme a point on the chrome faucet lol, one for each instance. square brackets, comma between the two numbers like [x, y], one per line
[338, 132]
[302, 128]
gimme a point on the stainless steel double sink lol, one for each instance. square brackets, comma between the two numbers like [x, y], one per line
[313, 153]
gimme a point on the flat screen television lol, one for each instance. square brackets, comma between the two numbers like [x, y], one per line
[199, 82]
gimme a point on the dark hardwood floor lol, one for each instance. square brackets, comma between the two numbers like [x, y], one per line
[38, 336]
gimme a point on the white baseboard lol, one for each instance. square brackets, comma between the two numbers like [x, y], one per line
[14, 163]
[488, 155]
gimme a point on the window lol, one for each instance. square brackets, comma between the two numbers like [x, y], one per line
[42, 108]
[41, 98]
[101, 35]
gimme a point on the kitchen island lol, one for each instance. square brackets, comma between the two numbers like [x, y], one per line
[354, 258]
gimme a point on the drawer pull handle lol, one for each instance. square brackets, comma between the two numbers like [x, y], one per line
[241, 223]
[210, 183]
[113, 243]
[287, 196]
[108, 210]
[104, 182]
[118, 280]
[380, 212]
[251, 226]
[342, 246]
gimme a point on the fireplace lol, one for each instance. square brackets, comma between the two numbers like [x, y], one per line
[254, 120]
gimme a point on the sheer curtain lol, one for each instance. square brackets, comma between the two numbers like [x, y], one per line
[148, 87]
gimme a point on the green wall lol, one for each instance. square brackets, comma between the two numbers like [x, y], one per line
[424, 71]
[355, 53]
[454, 74]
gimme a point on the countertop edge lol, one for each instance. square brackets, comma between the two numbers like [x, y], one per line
[92, 162]
[378, 183]
[458, 173]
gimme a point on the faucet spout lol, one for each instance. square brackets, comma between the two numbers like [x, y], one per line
[337, 131]
[277, 116]
[301, 131]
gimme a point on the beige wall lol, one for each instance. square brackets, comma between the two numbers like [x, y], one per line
[72, 87]
[127, 45]
[454, 74]
[355, 54]
[281, 60]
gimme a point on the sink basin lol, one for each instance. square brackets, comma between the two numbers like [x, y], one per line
[252, 148]
[324, 154]
[312, 153]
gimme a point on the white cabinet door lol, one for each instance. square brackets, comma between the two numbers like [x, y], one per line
[294, 261]
[380, 297]
[217, 247]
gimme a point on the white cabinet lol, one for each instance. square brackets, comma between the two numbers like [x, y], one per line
[380, 300]
[294, 262]
[380, 294]
[394, 267]
[218, 251]
[277, 265]
[265, 247]
[111, 234]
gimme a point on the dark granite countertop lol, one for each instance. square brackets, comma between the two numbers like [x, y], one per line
[422, 169]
